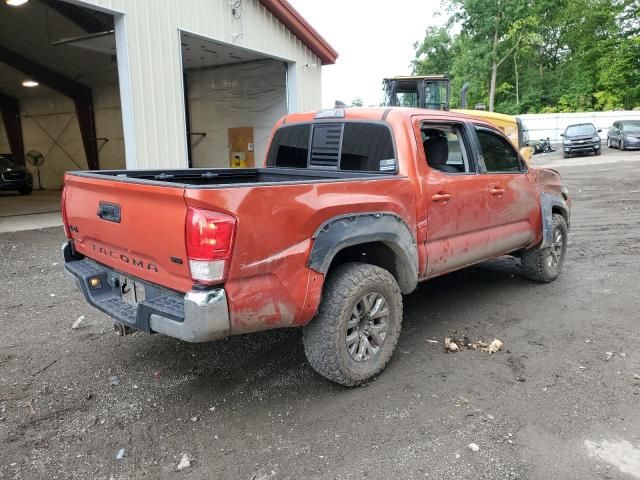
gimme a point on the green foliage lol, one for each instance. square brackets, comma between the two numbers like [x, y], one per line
[357, 102]
[548, 55]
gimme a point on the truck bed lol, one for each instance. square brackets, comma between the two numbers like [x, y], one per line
[278, 211]
[228, 177]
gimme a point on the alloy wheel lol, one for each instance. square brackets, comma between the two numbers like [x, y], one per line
[367, 327]
[556, 251]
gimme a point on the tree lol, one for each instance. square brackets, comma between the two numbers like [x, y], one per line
[357, 102]
[433, 55]
[496, 24]
[538, 55]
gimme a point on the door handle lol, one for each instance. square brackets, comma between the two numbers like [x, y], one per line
[441, 197]
[496, 191]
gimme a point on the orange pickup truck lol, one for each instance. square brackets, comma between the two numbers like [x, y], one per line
[351, 210]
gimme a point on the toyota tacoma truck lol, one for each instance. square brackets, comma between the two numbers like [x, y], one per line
[350, 211]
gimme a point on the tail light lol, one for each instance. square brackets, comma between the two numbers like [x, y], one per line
[63, 211]
[209, 238]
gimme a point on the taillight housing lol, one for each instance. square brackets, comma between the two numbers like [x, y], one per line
[63, 211]
[209, 239]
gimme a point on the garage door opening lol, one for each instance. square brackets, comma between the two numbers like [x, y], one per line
[59, 92]
[233, 97]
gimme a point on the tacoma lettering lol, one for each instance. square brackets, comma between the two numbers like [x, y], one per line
[152, 267]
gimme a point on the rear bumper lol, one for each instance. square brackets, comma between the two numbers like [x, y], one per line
[197, 316]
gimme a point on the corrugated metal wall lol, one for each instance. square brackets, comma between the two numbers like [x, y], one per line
[153, 102]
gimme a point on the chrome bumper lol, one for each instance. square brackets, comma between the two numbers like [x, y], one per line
[206, 318]
[197, 316]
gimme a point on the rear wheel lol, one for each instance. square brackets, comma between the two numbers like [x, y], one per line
[357, 326]
[544, 264]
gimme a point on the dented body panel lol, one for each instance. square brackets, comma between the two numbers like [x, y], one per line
[290, 230]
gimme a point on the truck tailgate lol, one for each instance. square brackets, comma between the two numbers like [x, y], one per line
[136, 229]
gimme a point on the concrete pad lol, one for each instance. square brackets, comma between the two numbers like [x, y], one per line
[18, 212]
[40, 201]
[34, 221]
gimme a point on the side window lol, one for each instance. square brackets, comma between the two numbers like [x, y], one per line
[499, 155]
[444, 149]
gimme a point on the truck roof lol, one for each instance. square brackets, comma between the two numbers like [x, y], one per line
[375, 114]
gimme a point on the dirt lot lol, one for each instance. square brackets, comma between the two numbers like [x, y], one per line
[548, 407]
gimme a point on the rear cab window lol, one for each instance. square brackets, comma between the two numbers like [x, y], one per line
[343, 146]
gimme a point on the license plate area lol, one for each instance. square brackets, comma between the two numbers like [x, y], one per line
[132, 292]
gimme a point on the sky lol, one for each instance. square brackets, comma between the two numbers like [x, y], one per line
[374, 39]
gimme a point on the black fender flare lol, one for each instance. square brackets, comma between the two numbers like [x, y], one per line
[549, 201]
[348, 230]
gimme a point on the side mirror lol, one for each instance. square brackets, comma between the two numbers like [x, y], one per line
[562, 134]
[599, 130]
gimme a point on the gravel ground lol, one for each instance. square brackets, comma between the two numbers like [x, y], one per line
[548, 406]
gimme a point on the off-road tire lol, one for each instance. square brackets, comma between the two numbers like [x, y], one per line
[324, 337]
[534, 262]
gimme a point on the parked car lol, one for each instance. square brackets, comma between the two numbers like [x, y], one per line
[581, 138]
[352, 209]
[624, 134]
[14, 177]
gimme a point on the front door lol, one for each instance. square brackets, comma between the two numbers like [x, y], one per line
[512, 199]
[457, 211]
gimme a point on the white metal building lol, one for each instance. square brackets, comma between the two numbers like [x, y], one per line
[152, 83]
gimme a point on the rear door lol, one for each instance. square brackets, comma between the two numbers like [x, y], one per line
[458, 216]
[137, 229]
[511, 195]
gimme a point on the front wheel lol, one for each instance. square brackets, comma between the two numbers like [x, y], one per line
[357, 326]
[25, 190]
[544, 264]
[621, 144]
[598, 152]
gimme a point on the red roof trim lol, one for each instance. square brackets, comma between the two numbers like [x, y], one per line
[283, 11]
